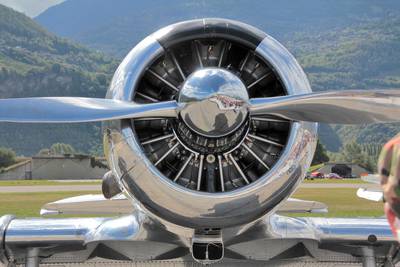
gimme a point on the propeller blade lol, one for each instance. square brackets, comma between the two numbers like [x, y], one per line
[342, 107]
[77, 109]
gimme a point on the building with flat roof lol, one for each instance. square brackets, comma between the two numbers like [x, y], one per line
[344, 169]
[56, 167]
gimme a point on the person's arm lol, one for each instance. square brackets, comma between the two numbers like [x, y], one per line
[389, 171]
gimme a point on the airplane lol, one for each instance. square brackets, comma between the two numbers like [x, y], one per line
[209, 126]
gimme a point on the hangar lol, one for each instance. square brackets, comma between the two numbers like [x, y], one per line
[344, 169]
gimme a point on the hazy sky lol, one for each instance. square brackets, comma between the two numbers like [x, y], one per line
[31, 8]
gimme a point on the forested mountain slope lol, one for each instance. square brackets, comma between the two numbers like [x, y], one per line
[34, 62]
[364, 56]
[116, 26]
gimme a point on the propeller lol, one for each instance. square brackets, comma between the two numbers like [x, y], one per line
[343, 107]
[78, 109]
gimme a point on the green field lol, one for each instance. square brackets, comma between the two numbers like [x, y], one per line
[342, 202]
[47, 182]
[29, 204]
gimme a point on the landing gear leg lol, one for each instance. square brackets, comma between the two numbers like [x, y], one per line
[368, 257]
[32, 257]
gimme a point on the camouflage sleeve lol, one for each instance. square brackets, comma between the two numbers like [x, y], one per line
[395, 164]
[384, 162]
[389, 162]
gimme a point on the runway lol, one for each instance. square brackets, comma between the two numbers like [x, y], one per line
[349, 185]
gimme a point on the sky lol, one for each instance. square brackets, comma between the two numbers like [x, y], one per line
[31, 8]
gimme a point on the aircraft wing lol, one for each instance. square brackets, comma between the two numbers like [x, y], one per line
[89, 204]
[138, 237]
[294, 205]
[370, 194]
[373, 194]
[117, 205]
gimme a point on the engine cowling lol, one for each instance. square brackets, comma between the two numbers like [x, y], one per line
[214, 166]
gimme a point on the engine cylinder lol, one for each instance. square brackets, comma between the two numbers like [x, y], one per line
[193, 171]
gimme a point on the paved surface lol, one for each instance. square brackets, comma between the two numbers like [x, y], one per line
[78, 181]
[368, 186]
[66, 187]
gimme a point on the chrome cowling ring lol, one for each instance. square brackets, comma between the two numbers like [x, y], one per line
[148, 179]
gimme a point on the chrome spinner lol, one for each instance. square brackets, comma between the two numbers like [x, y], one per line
[213, 102]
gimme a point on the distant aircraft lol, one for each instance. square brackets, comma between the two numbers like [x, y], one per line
[209, 126]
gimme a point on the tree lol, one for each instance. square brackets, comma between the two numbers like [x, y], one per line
[353, 152]
[56, 68]
[320, 155]
[373, 150]
[7, 157]
[102, 79]
[61, 149]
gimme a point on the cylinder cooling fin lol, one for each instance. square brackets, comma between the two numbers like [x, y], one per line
[196, 160]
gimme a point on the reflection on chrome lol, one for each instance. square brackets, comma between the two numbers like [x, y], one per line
[227, 103]
[213, 102]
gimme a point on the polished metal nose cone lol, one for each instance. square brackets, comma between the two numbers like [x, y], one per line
[213, 102]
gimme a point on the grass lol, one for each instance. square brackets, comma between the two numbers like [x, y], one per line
[29, 204]
[342, 202]
[335, 181]
[46, 182]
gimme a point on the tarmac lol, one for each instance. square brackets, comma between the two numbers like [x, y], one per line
[349, 185]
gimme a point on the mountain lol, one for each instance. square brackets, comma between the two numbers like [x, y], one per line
[363, 56]
[115, 27]
[34, 62]
[342, 44]
[360, 56]
[28, 7]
